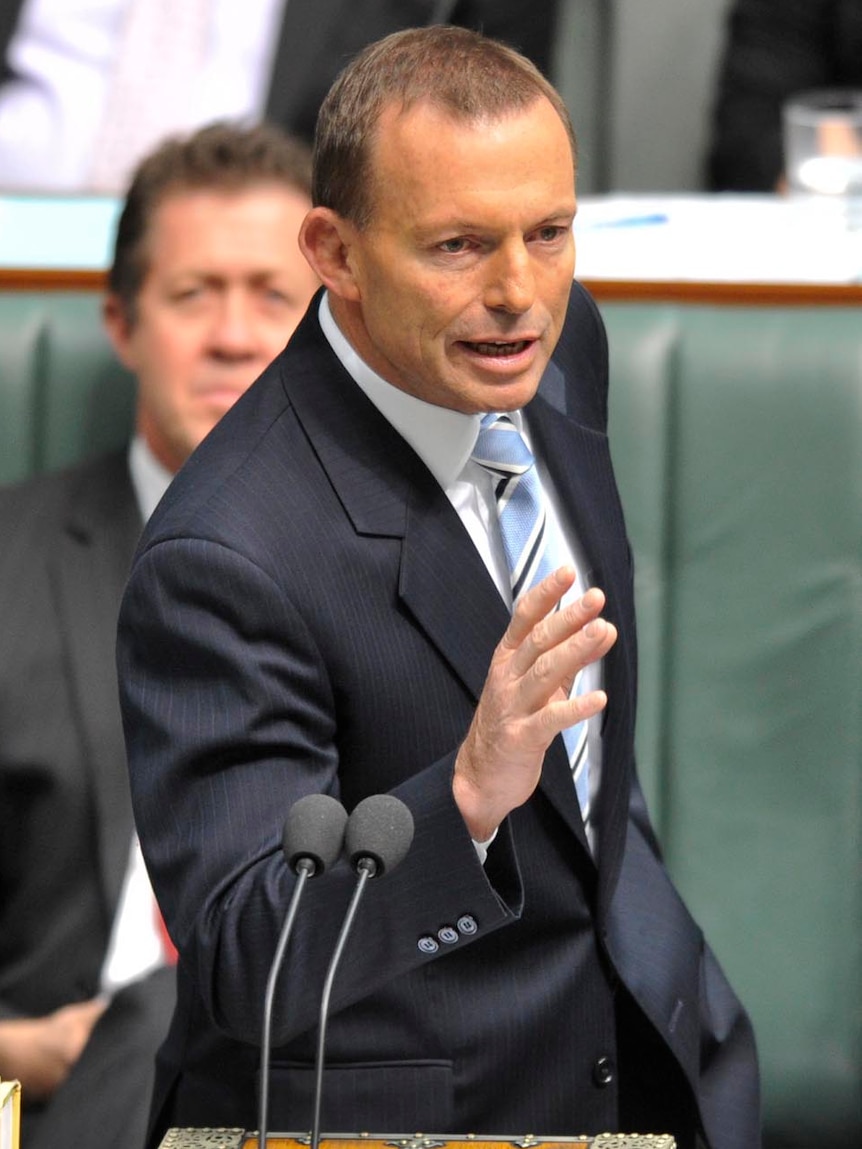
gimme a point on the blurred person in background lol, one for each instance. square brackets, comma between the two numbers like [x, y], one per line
[89, 86]
[207, 285]
[773, 50]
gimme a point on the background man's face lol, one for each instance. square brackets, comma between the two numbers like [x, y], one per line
[464, 271]
[226, 284]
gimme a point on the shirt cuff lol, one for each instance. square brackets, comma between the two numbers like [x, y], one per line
[482, 847]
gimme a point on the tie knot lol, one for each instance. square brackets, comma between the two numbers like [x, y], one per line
[501, 447]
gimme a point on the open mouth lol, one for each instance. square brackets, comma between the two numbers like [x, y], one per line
[497, 350]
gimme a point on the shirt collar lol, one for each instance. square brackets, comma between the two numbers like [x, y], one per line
[150, 479]
[443, 439]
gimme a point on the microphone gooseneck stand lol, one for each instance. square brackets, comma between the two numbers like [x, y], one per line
[305, 870]
[312, 840]
[366, 869]
[378, 835]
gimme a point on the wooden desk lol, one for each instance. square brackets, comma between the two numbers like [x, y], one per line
[604, 290]
[774, 256]
[725, 294]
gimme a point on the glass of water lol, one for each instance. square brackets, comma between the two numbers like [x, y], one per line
[823, 151]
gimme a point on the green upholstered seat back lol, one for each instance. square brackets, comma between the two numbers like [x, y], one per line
[63, 396]
[737, 437]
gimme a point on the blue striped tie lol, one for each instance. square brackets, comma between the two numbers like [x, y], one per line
[531, 552]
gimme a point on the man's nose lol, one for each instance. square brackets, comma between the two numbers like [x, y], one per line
[234, 330]
[511, 283]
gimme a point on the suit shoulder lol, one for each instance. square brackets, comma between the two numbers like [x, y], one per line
[218, 472]
[584, 326]
[581, 355]
[252, 443]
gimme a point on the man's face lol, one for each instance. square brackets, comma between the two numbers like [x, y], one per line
[463, 274]
[226, 284]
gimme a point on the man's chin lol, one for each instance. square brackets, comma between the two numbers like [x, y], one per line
[505, 395]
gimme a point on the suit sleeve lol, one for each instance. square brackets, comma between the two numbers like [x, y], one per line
[230, 718]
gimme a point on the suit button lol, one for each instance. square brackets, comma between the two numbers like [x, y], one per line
[467, 925]
[428, 945]
[448, 935]
[603, 1072]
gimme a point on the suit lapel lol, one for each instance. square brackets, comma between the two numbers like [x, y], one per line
[387, 491]
[89, 572]
[447, 589]
[579, 463]
[578, 459]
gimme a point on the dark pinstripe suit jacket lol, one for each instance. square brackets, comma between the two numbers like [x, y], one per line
[306, 612]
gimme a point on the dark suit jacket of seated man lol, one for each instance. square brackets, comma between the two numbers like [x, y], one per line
[307, 613]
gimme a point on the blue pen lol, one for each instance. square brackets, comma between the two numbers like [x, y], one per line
[631, 221]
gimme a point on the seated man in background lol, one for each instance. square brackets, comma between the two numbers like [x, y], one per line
[773, 50]
[206, 286]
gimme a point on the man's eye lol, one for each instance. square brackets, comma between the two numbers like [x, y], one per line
[454, 246]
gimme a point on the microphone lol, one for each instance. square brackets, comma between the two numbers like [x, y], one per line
[379, 834]
[311, 841]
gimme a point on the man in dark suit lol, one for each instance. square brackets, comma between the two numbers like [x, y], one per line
[207, 283]
[327, 602]
[312, 42]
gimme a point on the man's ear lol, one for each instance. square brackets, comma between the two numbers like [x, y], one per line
[118, 327]
[327, 241]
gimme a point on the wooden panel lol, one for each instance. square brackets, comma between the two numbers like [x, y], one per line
[622, 290]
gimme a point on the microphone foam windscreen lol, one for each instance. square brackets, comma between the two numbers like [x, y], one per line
[380, 827]
[314, 828]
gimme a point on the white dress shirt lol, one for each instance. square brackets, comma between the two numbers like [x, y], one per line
[135, 947]
[62, 53]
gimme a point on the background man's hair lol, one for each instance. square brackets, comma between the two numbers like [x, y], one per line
[464, 74]
[221, 157]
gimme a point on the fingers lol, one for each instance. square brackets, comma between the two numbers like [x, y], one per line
[544, 648]
[539, 601]
[557, 645]
[526, 699]
[559, 715]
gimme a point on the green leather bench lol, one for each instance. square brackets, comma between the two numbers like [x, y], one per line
[63, 396]
[737, 436]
